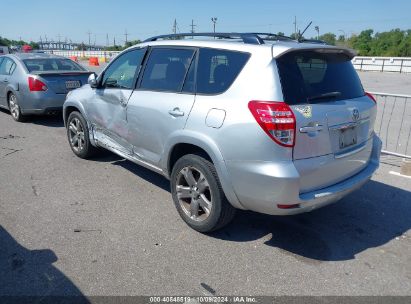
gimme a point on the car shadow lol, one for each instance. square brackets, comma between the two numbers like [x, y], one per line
[51, 120]
[28, 276]
[150, 176]
[368, 218]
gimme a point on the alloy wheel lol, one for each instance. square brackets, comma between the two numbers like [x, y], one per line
[14, 107]
[76, 135]
[194, 193]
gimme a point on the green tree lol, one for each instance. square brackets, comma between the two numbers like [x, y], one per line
[362, 42]
[329, 38]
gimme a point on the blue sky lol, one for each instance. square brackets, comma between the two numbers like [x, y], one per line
[30, 19]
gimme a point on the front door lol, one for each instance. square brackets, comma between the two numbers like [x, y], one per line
[107, 109]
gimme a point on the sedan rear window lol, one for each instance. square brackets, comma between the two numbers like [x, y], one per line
[51, 64]
[312, 77]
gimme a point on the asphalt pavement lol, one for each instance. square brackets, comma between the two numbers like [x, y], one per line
[109, 227]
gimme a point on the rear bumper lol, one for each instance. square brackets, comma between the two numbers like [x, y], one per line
[41, 102]
[260, 186]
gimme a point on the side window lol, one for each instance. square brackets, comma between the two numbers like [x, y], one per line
[217, 69]
[166, 69]
[121, 73]
[7, 67]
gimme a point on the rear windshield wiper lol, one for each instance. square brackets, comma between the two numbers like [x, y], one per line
[324, 96]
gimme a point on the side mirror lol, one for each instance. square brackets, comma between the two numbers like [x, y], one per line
[92, 80]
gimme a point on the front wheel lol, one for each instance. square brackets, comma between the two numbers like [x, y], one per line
[14, 107]
[198, 195]
[78, 136]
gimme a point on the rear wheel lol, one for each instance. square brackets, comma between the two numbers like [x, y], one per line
[198, 195]
[78, 136]
[14, 107]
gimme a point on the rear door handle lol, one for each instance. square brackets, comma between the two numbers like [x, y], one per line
[176, 112]
[308, 129]
[5, 80]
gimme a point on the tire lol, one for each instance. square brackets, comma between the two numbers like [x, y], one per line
[14, 108]
[198, 195]
[78, 136]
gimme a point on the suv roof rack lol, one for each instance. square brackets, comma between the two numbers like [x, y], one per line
[313, 41]
[250, 38]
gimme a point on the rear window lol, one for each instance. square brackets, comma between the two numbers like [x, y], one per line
[217, 69]
[313, 77]
[50, 65]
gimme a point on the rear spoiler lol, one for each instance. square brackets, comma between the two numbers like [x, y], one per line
[63, 72]
[320, 49]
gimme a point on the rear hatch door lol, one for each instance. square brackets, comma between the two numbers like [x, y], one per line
[334, 117]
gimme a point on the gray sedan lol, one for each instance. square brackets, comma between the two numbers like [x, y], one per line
[33, 83]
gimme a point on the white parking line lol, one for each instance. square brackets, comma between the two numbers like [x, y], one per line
[399, 174]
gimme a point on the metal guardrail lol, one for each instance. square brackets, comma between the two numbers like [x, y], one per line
[382, 64]
[393, 123]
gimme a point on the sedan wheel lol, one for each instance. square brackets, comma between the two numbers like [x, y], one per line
[15, 108]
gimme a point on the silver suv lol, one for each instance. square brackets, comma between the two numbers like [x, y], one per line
[249, 121]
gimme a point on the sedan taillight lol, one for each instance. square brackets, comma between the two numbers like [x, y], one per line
[36, 85]
[276, 119]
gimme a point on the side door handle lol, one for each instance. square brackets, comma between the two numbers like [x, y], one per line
[176, 112]
[314, 128]
[5, 80]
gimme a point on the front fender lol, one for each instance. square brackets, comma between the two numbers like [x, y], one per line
[73, 103]
[207, 144]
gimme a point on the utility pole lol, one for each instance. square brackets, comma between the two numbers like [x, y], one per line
[317, 29]
[59, 39]
[41, 43]
[175, 26]
[126, 34]
[192, 28]
[214, 20]
[89, 37]
[114, 40]
[295, 27]
[107, 40]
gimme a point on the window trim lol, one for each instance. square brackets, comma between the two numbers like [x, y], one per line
[193, 57]
[13, 66]
[136, 75]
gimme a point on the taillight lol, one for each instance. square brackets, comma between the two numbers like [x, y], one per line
[371, 96]
[276, 119]
[36, 85]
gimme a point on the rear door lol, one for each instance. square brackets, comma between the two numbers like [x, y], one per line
[162, 101]
[334, 117]
[7, 67]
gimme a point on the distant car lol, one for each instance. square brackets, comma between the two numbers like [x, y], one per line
[4, 50]
[32, 83]
[278, 127]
